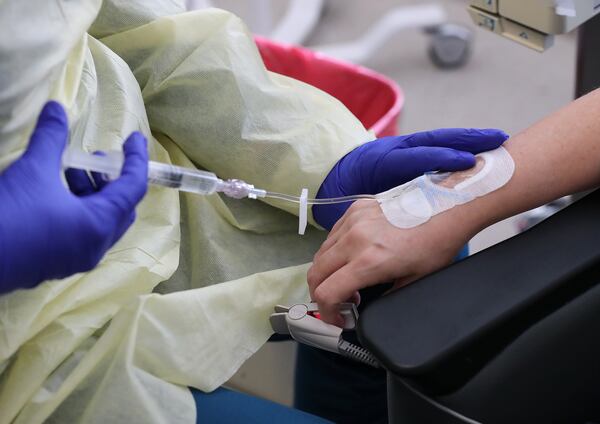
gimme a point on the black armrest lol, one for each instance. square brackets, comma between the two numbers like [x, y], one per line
[441, 330]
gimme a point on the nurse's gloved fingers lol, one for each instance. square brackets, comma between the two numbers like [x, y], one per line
[481, 140]
[79, 182]
[472, 140]
[126, 191]
[131, 219]
[49, 137]
[402, 165]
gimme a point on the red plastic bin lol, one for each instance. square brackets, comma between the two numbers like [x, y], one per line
[373, 98]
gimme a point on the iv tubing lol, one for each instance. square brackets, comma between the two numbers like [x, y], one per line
[187, 179]
[330, 201]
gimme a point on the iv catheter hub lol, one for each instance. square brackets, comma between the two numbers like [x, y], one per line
[239, 189]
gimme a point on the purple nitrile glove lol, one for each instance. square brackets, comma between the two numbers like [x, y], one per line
[47, 231]
[382, 164]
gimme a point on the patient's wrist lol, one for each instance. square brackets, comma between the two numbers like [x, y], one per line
[462, 223]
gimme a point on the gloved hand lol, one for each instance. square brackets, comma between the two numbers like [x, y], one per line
[48, 232]
[388, 162]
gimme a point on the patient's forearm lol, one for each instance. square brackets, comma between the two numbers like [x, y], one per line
[558, 156]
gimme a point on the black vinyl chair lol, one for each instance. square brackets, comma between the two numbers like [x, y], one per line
[509, 335]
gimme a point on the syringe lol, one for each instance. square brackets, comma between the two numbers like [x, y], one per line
[195, 181]
[188, 179]
[178, 177]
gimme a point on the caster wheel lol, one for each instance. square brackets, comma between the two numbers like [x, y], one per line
[450, 45]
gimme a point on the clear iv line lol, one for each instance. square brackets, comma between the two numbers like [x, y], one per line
[330, 201]
[186, 179]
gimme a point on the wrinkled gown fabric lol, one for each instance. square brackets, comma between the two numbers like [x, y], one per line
[183, 298]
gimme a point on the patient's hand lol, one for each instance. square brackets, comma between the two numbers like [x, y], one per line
[555, 157]
[364, 249]
[385, 163]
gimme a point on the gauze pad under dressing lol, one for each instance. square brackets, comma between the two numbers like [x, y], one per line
[415, 202]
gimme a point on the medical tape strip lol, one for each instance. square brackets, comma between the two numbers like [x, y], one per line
[303, 212]
[415, 202]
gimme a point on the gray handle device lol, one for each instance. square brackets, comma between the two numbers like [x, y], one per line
[301, 322]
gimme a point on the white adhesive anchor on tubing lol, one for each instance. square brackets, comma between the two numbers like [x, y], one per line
[303, 212]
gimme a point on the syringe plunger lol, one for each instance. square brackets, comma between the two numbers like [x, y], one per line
[184, 179]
